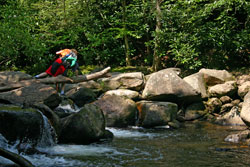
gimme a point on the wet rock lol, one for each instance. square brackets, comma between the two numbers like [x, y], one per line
[23, 124]
[50, 115]
[238, 137]
[82, 96]
[133, 81]
[66, 107]
[174, 124]
[84, 127]
[118, 111]
[153, 113]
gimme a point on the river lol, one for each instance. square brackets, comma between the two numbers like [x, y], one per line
[194, 144]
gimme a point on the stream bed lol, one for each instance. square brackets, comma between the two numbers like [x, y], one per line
[194, 144]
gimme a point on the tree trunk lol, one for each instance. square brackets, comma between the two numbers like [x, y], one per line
[156, 57]
[145, 13]
[127, 51]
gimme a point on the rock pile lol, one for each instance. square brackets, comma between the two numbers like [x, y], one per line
[162, 98]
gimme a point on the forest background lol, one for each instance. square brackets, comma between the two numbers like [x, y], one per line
[188, 34]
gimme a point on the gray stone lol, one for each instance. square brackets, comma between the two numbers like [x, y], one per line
[133, 81]
[243, 89]
[23, 124]
[198, 83]
[13, 76]
[35, 93]
[231, 118]
[124, 93]
[228, 88]
[245, 111]
[118, 111]
[238, 137]
[166, 85]
[84, 127]
[155, 113]
[82, 96]
[213, 77]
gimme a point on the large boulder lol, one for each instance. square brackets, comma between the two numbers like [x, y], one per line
[230, 118]
[166, 85]
[118, 111]
[228, 88]
[198, 83]
[81, 96]
[153, 113]
[84, 127]
[213, 77]
[243, 89]
[34, 93]
[133, 81]
[23, 124]
[245, 111]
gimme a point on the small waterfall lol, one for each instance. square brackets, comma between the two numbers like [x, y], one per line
[68, 108]
[47, 133]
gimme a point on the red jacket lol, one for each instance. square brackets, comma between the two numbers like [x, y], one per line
[56, 68]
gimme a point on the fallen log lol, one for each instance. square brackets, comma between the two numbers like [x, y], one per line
[76, 79]
[96, 75]
[54, 80]
[15, 158]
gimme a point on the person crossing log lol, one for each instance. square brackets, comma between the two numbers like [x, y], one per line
[57, 79]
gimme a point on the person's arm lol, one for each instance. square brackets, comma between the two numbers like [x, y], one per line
[72, 58]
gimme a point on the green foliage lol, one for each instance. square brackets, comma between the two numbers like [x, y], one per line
[18, 47]
[194, 34]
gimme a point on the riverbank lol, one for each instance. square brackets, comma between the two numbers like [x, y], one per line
[119, 100]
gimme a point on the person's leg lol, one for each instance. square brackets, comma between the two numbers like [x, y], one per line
[42, 75]
[62, 88]
[57, 87]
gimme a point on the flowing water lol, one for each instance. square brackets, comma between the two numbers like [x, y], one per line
[199, 144]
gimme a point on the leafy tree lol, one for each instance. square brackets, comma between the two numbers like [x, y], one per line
[189, 34]
[18, 45]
